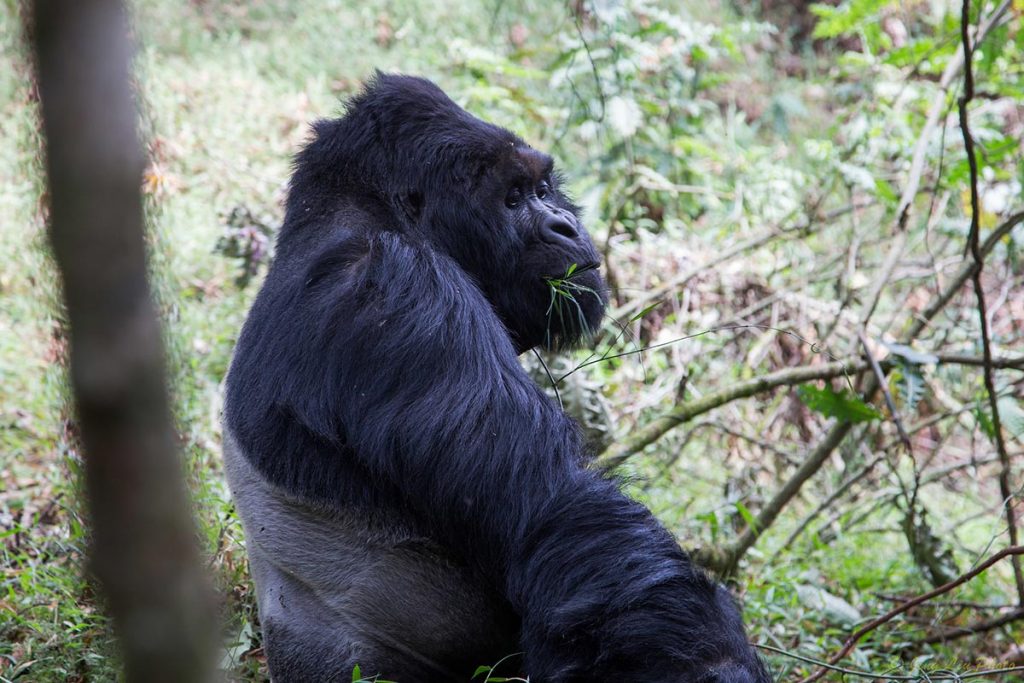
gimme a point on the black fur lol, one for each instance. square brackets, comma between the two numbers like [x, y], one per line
[378, 371]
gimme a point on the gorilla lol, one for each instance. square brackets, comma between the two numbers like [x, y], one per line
[413, 503]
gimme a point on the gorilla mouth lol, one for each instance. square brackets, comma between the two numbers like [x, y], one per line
[574, 308]
[568, 284]
[590, 265]
[573, 270]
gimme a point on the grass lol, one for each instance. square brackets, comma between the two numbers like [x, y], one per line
[564, 311]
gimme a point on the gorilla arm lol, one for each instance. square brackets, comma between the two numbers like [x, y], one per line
[496, 469]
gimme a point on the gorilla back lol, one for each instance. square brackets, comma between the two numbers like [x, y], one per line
[413, 503]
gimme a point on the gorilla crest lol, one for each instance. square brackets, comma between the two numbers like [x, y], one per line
[412, 502]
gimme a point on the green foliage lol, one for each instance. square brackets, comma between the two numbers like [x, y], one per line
[1011, 415]
[907, 385]
[907, 382]
[489, 673]
[850, 16]
[357, 677]
[844, 405]
[563, 302]
[640, 73]
[747, 515]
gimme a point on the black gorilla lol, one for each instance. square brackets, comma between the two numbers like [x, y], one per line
[413, 503]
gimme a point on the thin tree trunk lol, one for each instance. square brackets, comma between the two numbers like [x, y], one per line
[143, 544]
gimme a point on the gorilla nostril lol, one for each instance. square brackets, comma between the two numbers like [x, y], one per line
[560, 227]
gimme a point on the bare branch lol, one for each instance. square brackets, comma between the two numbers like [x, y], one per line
[965, 273]
[974, 629]
[729, 557]
[616, 454]
[917, 165]
[1003, 363]
[889, 402]
[974, 246]
[840, 491]
[726, 560]
[801, 229]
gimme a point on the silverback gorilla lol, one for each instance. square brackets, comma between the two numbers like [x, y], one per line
[413, 503]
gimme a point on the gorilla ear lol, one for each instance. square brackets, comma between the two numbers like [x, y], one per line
[412, 204]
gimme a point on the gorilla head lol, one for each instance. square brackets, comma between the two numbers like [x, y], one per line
[478, 194]
[413, 502]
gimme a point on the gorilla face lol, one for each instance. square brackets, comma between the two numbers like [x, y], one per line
[553, 294]
[523, 242]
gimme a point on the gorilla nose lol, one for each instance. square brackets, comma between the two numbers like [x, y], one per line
[557, 229]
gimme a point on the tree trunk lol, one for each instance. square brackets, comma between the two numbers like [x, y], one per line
[143, 548]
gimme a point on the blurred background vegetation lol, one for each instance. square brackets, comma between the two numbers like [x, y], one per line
[773, 185]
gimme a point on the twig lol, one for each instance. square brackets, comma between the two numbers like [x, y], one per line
[824, 505]
[619, 452]
[974, 240]
[855, 637]
[886, 496]
[1004, 363]
[850, 481]
[726, 559]
[973, 629]
[880, 376]
[948, 604]
[593, 69]
[787, 456]
[962, 276]
[940, 472]
[743, 316]
[913, 181]
[551, 380]
[756, 242]
[616, 454]
[956, 62]
[730, 556]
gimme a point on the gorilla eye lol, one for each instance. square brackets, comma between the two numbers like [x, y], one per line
[513, 198]
[543, 189]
